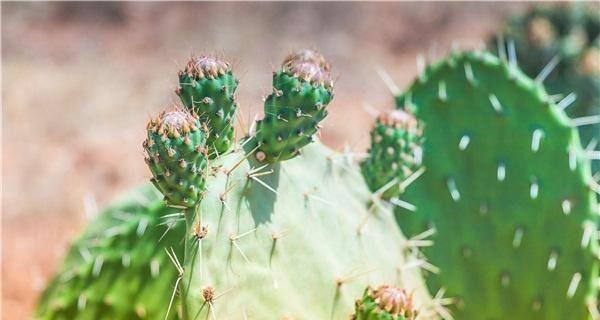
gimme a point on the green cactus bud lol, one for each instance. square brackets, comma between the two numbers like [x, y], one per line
[385, 303]
[176, 156]
[207, 87]
[395, 152]
[301, 91]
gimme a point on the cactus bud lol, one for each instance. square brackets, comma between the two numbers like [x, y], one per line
[171, 147]
[207, 87]
[302, 89]
[385, 302]
[395, 153]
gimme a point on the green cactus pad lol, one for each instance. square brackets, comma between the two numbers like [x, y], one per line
[176, 155]
[395, 153]
[506, 190]
[571, 33]
[118, 269]
[301, 90]
[384, 303]
[207, 87]
[289, 235]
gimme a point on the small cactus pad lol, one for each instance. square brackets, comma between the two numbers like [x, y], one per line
[395, 152]
[385, 303]
[118, 269]
[507, 192]
[207, 87]
[301, 90]
[176, 155]
[288, 235]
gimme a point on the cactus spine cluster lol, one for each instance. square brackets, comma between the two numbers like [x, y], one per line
[385, 303]
[506, 191]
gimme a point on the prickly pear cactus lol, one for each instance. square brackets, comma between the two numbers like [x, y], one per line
[271, 237]
[207, 87]
[507, 192]
[395, 154]
[385, 303]
[569, 33]
[118, 269]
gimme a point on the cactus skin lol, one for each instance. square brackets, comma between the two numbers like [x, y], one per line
[506, 190]
[395, 152]
[176, 155]
[571, 32]
[207, 87]
[270, 255]
[301, 90]
[118, 268]
[384, 303]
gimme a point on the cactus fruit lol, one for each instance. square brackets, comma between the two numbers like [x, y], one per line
[207, 87]
[571, 33]
[385, 303]
[301, 91]
[118, 269]
[507, 192]
[395, 153]
[176, 155]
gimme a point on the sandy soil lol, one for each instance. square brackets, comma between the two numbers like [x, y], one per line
[80, 81]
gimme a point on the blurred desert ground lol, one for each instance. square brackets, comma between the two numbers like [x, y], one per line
[80, 81]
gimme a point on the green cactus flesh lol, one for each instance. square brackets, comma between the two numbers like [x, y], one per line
[506, 190]
[384, 303]
[395, 153]
[570, 32]
[207, 87]
[176, 155]
[280, 237]
[118, 269]
[301, 90]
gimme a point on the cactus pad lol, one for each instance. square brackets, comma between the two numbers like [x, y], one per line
[207, 87]
[118, 269]
[506, 190]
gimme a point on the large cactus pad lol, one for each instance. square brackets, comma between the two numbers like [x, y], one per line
[118, 269]
[506, 189]
[292, 239]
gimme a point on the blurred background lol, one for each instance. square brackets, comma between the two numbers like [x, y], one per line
[80, 80]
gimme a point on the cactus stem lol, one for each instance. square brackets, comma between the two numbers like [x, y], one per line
[547, 69]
